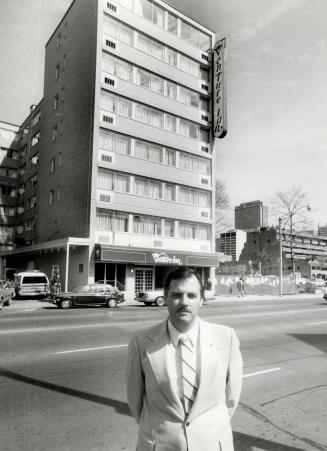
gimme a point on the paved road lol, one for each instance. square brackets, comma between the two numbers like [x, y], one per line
[62, 375]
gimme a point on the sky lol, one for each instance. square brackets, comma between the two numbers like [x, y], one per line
[276, 68]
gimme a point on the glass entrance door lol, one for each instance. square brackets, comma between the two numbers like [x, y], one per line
[144, 279]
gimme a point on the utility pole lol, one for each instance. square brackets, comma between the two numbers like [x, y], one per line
[280, 258]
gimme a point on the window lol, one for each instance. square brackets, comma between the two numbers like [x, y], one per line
[189, 97]
[157, 118]
[35, 139]
[55, 102]
[58, 192]
[61, 126]
[64, 62]
[171, 57]
[36, 118]
[126, 34]
[171, 157]
[125, 71]
[80, 268]
[65, 31]
[58, 40]
[172, 23]
[54, 133]
[114, 142]
[194, 37]
[113, 181]
[145, 225]
[60, 160]
[194, 231]
[144, 8]
[157, 84]
[62, 94]
[143, 78]
[170, 123]
[158, 15]
[185, 31]
[111, 221]
[171, 90]
[169, 228]
[51, 197]
[57, 74]
[52, 165]
[204, 42]
[147, 188]
[170, 192]
[148, 151]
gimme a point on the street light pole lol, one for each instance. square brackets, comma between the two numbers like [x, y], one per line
[280, 258]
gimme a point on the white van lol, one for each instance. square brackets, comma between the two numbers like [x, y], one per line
[31, 283]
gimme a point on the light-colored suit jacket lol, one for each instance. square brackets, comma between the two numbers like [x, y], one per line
[154, 400]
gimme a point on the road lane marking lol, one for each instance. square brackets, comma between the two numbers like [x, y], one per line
[261, 372]
[313, 324]
[90, 349]
[85, 326]
[128, 323]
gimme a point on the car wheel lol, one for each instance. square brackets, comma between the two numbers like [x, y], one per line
[160, 301]
[8, 302]
[112, 303]
[65, 303]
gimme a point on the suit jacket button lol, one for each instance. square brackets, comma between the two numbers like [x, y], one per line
[187, 423]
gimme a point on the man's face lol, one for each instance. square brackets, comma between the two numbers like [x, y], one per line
[184, 301]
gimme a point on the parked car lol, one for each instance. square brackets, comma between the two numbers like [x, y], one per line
[92, 294]
[116, 284]
[7, 292]
[315, 286]
[31, 283]
[156, 297]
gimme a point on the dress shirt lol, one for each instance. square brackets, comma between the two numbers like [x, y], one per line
[175, 358]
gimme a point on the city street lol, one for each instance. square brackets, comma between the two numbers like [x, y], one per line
[62, 373]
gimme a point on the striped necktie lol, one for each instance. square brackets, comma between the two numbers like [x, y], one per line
[190, 384]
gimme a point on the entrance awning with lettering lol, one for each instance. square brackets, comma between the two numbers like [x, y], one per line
[154, 257]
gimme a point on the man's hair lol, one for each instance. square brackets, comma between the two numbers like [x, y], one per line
[183, 272]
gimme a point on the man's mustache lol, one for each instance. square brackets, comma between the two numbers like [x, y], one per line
[183, 309]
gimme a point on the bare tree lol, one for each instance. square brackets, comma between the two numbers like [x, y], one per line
[293, 207]
[223, 221]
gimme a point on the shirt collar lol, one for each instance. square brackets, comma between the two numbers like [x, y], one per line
[191, 333]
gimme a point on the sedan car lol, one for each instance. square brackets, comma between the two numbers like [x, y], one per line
[7, 292]
[119, 286]
[156, 297]
[94, 294]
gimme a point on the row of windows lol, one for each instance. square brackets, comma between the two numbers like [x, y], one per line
[153, 116]
[147, 225]
[165, 19]
[8, 191]
[154, 48]
[7, 211]
[8, 172]
[155, 189]
[8, 153]
[8, 135]
[6, 231]
[144, 150]
[155, 83]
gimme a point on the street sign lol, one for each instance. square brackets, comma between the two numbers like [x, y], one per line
[219, 91]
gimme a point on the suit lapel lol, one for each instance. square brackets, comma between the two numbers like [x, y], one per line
[210, 361]
[157, 353]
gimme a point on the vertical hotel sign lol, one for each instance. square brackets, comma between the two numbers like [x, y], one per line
[219, 95]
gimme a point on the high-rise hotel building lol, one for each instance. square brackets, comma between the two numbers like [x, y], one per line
[126, 159]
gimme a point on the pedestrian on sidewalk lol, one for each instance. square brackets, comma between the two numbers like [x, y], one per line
[240, 286]
[184, 375]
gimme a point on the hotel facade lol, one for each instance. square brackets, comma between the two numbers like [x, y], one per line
[125, 168]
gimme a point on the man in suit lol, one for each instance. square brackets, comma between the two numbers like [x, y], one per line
[184, 375]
